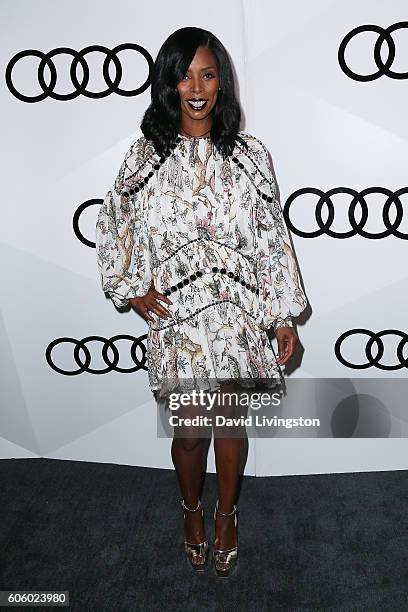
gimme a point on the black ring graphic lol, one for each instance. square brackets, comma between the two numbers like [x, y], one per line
[83, 366]
[357, 198]
[373, 338]
[383, 34]
[75, 221]
[78, 58]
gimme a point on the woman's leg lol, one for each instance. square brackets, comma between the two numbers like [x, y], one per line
[188, 452]
[228, 445]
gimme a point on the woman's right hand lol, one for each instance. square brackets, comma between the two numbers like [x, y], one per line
[150, 302]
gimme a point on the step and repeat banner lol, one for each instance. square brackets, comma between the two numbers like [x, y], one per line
[324, 85]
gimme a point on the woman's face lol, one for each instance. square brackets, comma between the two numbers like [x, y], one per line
[200, 83]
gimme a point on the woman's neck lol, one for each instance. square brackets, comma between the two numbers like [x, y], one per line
[192, 134]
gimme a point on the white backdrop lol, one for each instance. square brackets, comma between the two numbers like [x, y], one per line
[325, 130]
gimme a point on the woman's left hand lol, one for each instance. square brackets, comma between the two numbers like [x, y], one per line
[287, 340]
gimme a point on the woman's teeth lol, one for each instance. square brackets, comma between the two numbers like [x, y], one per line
[199, 105]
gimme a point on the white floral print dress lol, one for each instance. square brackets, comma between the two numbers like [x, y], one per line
[210, 234]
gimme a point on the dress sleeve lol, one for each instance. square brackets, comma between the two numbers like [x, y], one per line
[122, 243]
[281, 296]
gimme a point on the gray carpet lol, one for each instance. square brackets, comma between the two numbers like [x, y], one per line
[112, 536]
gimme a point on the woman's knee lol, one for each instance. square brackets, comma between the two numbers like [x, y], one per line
[188, 444]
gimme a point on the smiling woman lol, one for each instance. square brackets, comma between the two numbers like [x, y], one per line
[192, 235]
[198, 92]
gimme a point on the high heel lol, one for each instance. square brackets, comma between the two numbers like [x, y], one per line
[225, 561]
[196, 553]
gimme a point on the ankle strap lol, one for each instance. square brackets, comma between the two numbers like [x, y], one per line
[234, 509]
[189, 509]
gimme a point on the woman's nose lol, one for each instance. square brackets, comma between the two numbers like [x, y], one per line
[196, 85]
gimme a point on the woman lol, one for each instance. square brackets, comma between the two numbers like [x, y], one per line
[192, 235]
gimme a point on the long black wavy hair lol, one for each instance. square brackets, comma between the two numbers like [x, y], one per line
[161, 120]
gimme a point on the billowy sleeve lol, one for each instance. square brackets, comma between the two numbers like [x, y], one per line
[281, 296]
[122, 242]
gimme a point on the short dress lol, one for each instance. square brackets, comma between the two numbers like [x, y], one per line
[209, 233]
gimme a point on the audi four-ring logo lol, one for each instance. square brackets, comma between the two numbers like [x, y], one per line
[107, 344]
[384, 34]
[374, 338]
[79, 84]
[357, 198]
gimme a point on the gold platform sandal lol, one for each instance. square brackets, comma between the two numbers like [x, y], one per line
[225, 561]
[196, 553]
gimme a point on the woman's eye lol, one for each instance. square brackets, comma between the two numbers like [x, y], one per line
[208, 74]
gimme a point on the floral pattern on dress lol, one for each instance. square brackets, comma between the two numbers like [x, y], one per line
[210, 234]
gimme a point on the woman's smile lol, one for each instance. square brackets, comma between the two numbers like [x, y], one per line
[197, 104]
